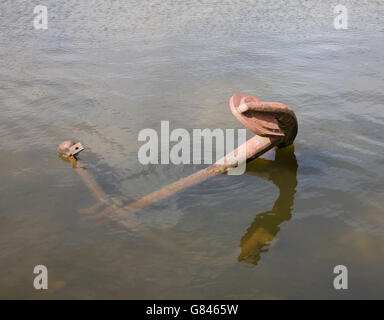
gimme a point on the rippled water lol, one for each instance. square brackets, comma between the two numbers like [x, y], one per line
[104, 70]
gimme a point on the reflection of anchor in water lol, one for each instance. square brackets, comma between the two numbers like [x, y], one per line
[262, 232]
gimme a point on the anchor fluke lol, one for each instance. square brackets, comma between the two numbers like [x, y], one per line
[266, 119]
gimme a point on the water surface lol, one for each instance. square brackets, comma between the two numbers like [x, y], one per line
[104, 70]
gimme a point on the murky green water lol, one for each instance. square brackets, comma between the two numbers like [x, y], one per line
[104, 70]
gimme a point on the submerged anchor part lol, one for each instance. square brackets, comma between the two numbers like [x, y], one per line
[68, 150]
[274, 124]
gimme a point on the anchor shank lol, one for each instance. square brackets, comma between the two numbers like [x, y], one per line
[255, 147]
[92, 185]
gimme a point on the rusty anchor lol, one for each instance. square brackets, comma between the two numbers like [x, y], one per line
[274, 125]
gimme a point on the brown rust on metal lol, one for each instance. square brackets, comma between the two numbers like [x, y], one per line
[63, 150]
[266, 119]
